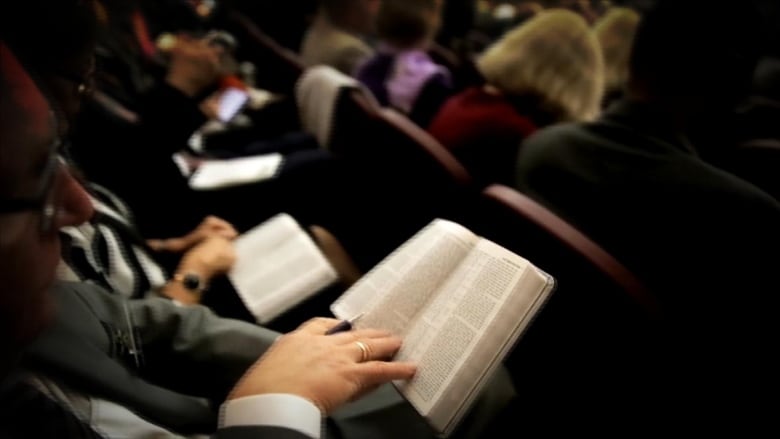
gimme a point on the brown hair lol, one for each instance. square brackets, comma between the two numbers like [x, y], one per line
[407, 23]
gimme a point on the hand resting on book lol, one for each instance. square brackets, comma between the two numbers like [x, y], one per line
[327, 370]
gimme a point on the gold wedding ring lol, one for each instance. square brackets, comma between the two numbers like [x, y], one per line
[365, 351]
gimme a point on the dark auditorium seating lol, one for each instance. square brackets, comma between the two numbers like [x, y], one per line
[587, 359]
[409, 178]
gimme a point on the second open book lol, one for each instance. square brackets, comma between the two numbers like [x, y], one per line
[278, 266]
[460, 302]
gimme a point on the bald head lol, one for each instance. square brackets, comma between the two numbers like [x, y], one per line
[694, 50]
[25, 119]
[20, 94]
[27, 258]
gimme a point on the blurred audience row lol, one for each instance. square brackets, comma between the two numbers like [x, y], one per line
[653, 130]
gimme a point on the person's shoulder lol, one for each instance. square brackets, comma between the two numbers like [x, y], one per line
[347, 56]
[442, 78]
[349, 45]
[329, 43]
[555, 145]
[743, 193]
[559, 136]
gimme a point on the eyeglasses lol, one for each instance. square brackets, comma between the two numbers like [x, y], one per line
[44, 201]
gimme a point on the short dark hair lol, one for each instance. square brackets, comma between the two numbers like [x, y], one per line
[695, 48]
[404, 23]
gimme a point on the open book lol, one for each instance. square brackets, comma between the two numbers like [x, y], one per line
[217, 174]
[460, 302]
[278, 266]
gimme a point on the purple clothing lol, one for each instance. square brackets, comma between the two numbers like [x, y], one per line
[409, 81]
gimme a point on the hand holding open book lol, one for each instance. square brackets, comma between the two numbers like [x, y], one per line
[460, 302]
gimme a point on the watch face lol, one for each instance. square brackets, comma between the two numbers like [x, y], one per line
[191, 281]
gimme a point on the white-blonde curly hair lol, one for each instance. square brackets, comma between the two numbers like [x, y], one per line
[615, 31]
[554, 56]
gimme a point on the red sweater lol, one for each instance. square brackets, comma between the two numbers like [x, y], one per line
[484, 131]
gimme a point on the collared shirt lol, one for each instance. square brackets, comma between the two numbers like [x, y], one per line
[276, 409]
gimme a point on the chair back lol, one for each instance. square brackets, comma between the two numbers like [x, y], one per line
[364, 131]
[590, 351]
[409, 177]
[319, 92]
[513, 208]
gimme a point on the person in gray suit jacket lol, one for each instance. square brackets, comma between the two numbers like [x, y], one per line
[79, 362]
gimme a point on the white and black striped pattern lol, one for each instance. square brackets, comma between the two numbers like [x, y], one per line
[109, 252]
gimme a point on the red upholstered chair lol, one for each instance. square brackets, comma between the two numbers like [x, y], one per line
[519, 208]
[364, 131]
[402, 178]
[588, 358]
[422, 143]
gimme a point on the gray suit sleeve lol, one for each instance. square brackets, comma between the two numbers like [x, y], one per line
[185, 347]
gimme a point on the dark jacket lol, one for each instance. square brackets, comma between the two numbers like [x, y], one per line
[408, 81]
[706, 241]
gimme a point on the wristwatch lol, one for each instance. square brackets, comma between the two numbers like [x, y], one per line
[190, 281]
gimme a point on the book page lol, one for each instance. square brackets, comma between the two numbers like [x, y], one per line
[277, 266]
[465, 331]
[216, 174]
[392, 293]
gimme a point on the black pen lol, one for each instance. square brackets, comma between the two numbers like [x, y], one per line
[344, 325]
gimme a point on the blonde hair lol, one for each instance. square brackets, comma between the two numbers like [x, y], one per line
[615, 32]
[554, 56]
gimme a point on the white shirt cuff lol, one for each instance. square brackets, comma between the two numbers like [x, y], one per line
[274, 409]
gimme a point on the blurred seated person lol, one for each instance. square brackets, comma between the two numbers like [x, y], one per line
[109, 251]
[145, 71]
[755, 155]
[615, 32]
[402, 75]
[458, 18]
[339, 35]
[124, 135]
[547, 70]
[79, 362]
[637, 181]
